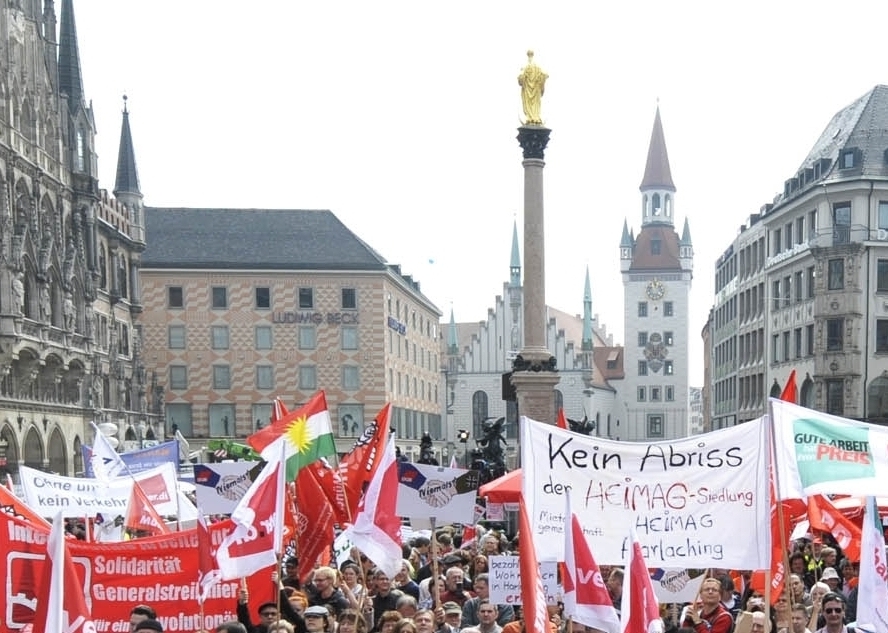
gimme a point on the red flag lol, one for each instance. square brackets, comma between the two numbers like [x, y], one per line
[330, 481]
[640, 607]
[790, 394]
[561, 422]
[207, 569]
[377, 528]
[141, 516]
[10, 504]
[258, 523]
[64, 607]
[533, 598]
[586, 598]
[824, 516]
[313, 521]
[359, 465]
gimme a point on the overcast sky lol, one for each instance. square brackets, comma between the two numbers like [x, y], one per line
[401, 117]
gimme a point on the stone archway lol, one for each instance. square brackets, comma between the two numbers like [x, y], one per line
[33, 449]
[58, 455]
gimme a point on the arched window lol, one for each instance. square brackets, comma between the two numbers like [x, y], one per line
[479, 412]
[877, 397]
[559, 401]
[806, 394]
[655, 204]
[123, 276]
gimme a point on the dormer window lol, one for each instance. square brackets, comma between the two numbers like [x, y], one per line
[816, 171]
[848, 159]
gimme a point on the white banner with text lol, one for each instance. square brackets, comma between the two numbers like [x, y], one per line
[699, 501]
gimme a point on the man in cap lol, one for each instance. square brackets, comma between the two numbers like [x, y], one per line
[317, 619]
[449, 617]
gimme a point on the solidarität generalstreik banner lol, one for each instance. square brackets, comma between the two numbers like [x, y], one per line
[820, 453]
[687, 499]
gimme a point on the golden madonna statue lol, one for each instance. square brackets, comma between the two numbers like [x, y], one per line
[533, 85]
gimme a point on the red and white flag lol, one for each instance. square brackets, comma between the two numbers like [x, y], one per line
[62, 609]
[872, 600]
[358, 466]
[258, 526]
[377, 528]
[453, 462]
[641, 611]
[586, 598]
[208, 573]
[533, 597]
[824, 516]
[141, 516]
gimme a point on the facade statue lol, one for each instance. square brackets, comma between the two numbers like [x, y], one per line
[69, 312]
[18, 292]
[533, 85]
[45, 304]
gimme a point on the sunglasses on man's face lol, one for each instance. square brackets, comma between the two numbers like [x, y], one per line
[833, 610]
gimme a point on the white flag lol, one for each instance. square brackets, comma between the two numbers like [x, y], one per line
[106, 462]
[872, 588]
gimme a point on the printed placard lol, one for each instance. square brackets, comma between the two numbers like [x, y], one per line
[505, 580]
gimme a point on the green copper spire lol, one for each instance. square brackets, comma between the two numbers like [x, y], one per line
[515, 263]
[452, 341]
[587, 342]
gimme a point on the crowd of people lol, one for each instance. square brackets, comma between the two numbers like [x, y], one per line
[451, 594]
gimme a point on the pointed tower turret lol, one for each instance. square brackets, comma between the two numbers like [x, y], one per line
[515, 261]
[686, 247]
[452, 338]
[126, 186]
[627, 245]
[79, 126]
[657, 188]
[588, 340]
[49, 40]
[70, 81]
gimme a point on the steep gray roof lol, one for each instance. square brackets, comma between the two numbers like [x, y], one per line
[861, 128]
[271, 239]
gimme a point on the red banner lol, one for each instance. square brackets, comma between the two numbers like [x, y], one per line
[160, 571]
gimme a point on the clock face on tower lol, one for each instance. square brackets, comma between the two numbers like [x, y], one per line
[655, 290]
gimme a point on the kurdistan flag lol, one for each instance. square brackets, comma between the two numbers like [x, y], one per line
[306, 434]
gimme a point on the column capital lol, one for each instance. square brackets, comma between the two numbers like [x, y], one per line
[533, 140]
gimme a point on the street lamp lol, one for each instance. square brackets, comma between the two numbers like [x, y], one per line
[463, 436]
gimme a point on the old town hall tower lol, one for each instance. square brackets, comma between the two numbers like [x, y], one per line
[657, 268]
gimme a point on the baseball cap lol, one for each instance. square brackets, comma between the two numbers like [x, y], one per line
[451, 607]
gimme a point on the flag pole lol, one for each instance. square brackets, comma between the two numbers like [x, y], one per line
[280, 500]
[436, 595]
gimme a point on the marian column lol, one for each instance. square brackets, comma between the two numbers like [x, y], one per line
[534, 374]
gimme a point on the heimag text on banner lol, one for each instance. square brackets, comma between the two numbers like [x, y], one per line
[686, 498]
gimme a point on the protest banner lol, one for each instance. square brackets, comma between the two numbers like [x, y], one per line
[46, 494]
[139, 460]
[426, 491]
[160, 571]
[220, 486]
[505, 580]
[820, 453]
[684, 497]
[676, 585]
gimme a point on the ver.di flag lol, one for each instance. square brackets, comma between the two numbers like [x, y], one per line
[641, 611]
[377, 528]
[258, 518]
[305, 434]
[533, 596]
[586, 598]
[872, 590]
[63, 608]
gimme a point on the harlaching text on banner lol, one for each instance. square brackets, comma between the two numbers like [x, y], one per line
[686, 498]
